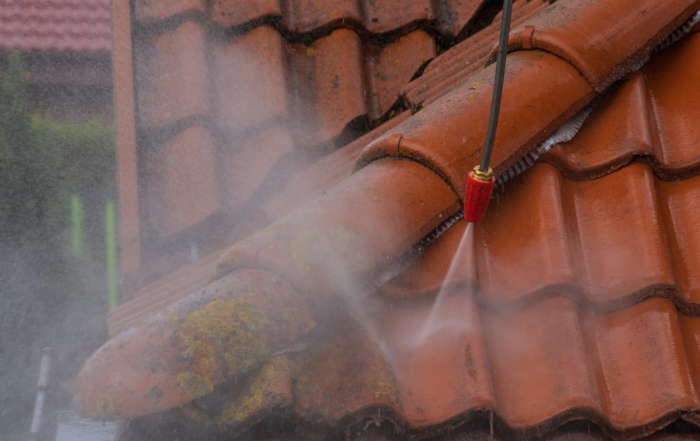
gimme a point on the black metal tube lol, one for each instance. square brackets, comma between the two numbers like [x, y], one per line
[498, 86]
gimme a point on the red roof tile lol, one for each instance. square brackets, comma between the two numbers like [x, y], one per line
[323, 75]
[577, 299]
[162, 293]
[571, 363]
[307, 15]
[179, 198]
[172, 76]
[579, 38]
[303, 188]
[152, 10]
[250, 80]
[657, 136]
[326, 172]
[56, 25]
[393, 66]
[465, 59]
[385, 16]
[304, 16]
[234, 12]
[188, 71]
[248, 162]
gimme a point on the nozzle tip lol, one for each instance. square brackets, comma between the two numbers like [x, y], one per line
[480, 185]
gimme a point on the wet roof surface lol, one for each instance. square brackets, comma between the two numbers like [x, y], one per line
[268, 85]
[580, 297]
[56, 25]
[230, 115]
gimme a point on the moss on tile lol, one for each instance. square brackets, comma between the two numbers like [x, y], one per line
[105, 406]
[386, 390]
[195, 384]
[263, 387]
[224, 329]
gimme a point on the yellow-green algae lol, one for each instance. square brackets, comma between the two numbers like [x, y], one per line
[386, 389]
[265, 384]
[195, 384]
[265, 381]
[105, 406]
[222, 328]
[230, 336]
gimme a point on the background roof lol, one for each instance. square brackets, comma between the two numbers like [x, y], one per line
[55, 25]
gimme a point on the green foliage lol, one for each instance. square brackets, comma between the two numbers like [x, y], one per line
[87, 153]
[19, 159]
[48, 296]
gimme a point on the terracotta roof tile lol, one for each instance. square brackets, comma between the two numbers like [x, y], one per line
[385, 16]
[465, 59]
[577, 299]
[56, 25]
[326, 74]
[188, 70]
[250, 80]
[456, 14]
[173, 63]
[669, 73]
[553, 95]
[180, 198]
[237, 12]
[325, 173]
[162, 293]
[680, 203]
[393, 67]
[609, 255]
[304, 187]
[307, 15]
[246, 164]
[304, 16]
[570, 364]
[146, 10]
[586, 37]
[656, 135]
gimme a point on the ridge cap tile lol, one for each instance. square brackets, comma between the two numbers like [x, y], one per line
[602, 39]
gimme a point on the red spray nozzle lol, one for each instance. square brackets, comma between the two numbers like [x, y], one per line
[480, 181]
[477, 195]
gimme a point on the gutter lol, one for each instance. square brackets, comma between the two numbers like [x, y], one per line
[274, 287]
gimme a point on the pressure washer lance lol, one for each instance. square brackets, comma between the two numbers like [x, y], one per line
[481, 181]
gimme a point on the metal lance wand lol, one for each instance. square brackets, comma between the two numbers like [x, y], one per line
[481, 181]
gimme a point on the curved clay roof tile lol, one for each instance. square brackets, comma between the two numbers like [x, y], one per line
[273, 286]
